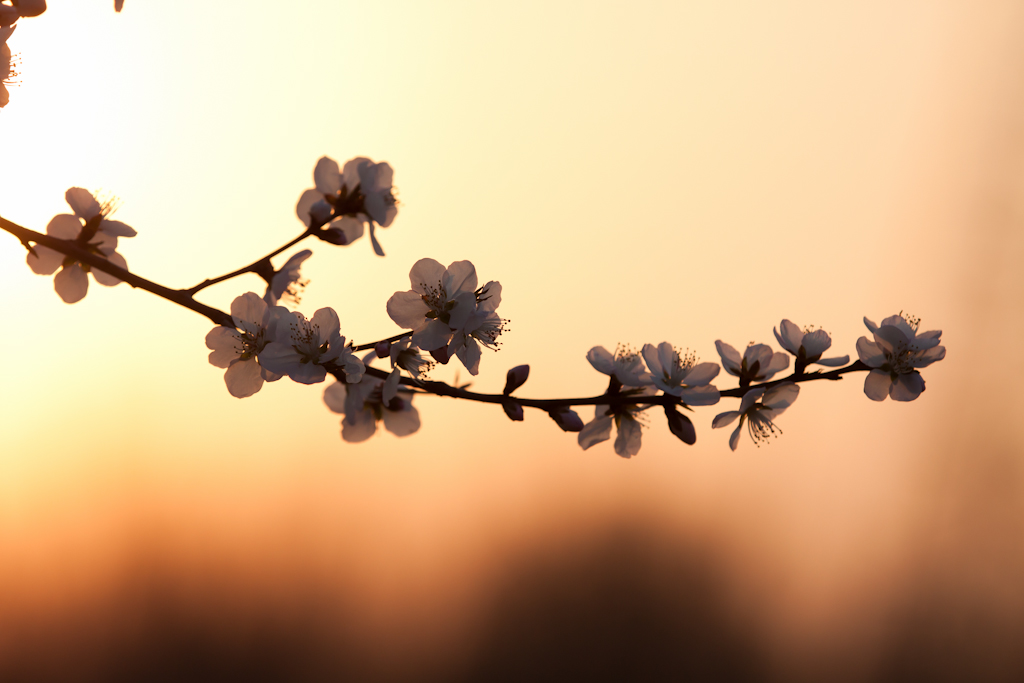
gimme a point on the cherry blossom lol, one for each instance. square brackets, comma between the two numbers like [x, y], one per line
[441, 301]
[358, 194]
[301, 348]
[625, 365]
[624, 417]
[483, 327]
[681, 375]
[238, 349]
[807, 345]
[759, 416]
[286, 282]
[895, 356]
[758, 363]
[91, 230]
[404, 356]
[363, 406]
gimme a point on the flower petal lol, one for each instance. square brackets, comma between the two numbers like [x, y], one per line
[106, 279]
[426, 274]
[870, 353]
[930, 356]
[734, 439]
[327, 322]
[71, 283]
[816, 343]
[460, 277]
[45, 260]
[781, 396]
[876, 385]
[594, 432]
[402, 422]
[64, 226]
[602, 360]
[726, 418]
[750, 398]
[334, 397]
[243, 378]
[226, 344]
[305, 205]
[434, 335]
[391, 386]
[791, 337]
[627, 441]
[730, 357]
[327, 176]
[701, 374]
[407, 309]
[833, 362]
[778, 363]
[82, 203]
[117, 228]
[358, 426]
[704, 395]
[470, 356]
[907, 387]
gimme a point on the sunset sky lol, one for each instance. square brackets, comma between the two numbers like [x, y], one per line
[657, 171]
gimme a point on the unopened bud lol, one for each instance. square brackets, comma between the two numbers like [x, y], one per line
[567, 419]
[516, 378]
[333, 236]
[513, 410]
[680, 425]
[382, 349]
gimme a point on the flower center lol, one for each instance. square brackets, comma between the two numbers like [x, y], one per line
[306, 338]
[760, 426]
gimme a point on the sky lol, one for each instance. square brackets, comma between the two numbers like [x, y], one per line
[666, 171]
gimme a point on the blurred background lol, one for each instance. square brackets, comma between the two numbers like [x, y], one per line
[666, 171]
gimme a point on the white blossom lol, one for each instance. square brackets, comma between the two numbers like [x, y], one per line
[807, 345]
[625, 419]
[360, 193]
[481, 328]
[758, 363]
[625, 365]
[441, 300]
[286, 281]
[681, 375]
[363, 406]
[759, 416]
[404, 356]
[92, 231]
[301, 348]
[238, 348]
[895, 356]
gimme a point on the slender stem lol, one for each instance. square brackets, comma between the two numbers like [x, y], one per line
[217, 316]
[389, 340]
[254, 267]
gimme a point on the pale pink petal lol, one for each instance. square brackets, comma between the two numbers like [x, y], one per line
[627, 442]
[726, 418]
[781, 396]
[226, 344]
[358, 426]
[876, 385]
[45, 260]
[402, 422]
[791, 336]
[870, 353]
[117, 228]
[327, 176]
[750, 398]
[700, 396]
[778, 363]
[348, 229]
[701, 374]
[248, 308]
[327, 322]
[602, 360]
[426, 274]
[106, 279]
[760, 354]
[833, 362]
[64, 226]
[82, 203]
[652, 354]
[460, 277]
[71, 283]
[243, 378]
[391, 386]
[872, 327]
[490, 297]
[930, 356]
[334, 397]
[434, 335]
[595, 431]
[470, 356]
[305, 204]
[730, 357]
[351, 171]
[407, 309]
[734, 439]
[890, 337]
[907, 387]
[816, 343]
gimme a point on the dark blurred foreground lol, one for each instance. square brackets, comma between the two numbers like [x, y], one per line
[626, 604]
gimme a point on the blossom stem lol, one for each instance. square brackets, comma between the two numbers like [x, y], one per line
[260, 266]
[218, 317]
[182, 298]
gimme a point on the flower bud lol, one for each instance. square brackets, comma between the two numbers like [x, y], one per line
[680, 425]
[513, 410]
[382, 349]
[567, 419]
[516, 378]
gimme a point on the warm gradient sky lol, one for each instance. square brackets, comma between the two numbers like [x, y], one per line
[663, 171]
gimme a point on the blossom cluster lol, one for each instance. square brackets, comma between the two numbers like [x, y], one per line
[446, 314]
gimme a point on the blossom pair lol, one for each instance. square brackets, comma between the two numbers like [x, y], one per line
[447, 313]
[91, 230]
[268, 342]
[366, 403]
[677, 374]
[895, 355]
[344, 199]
